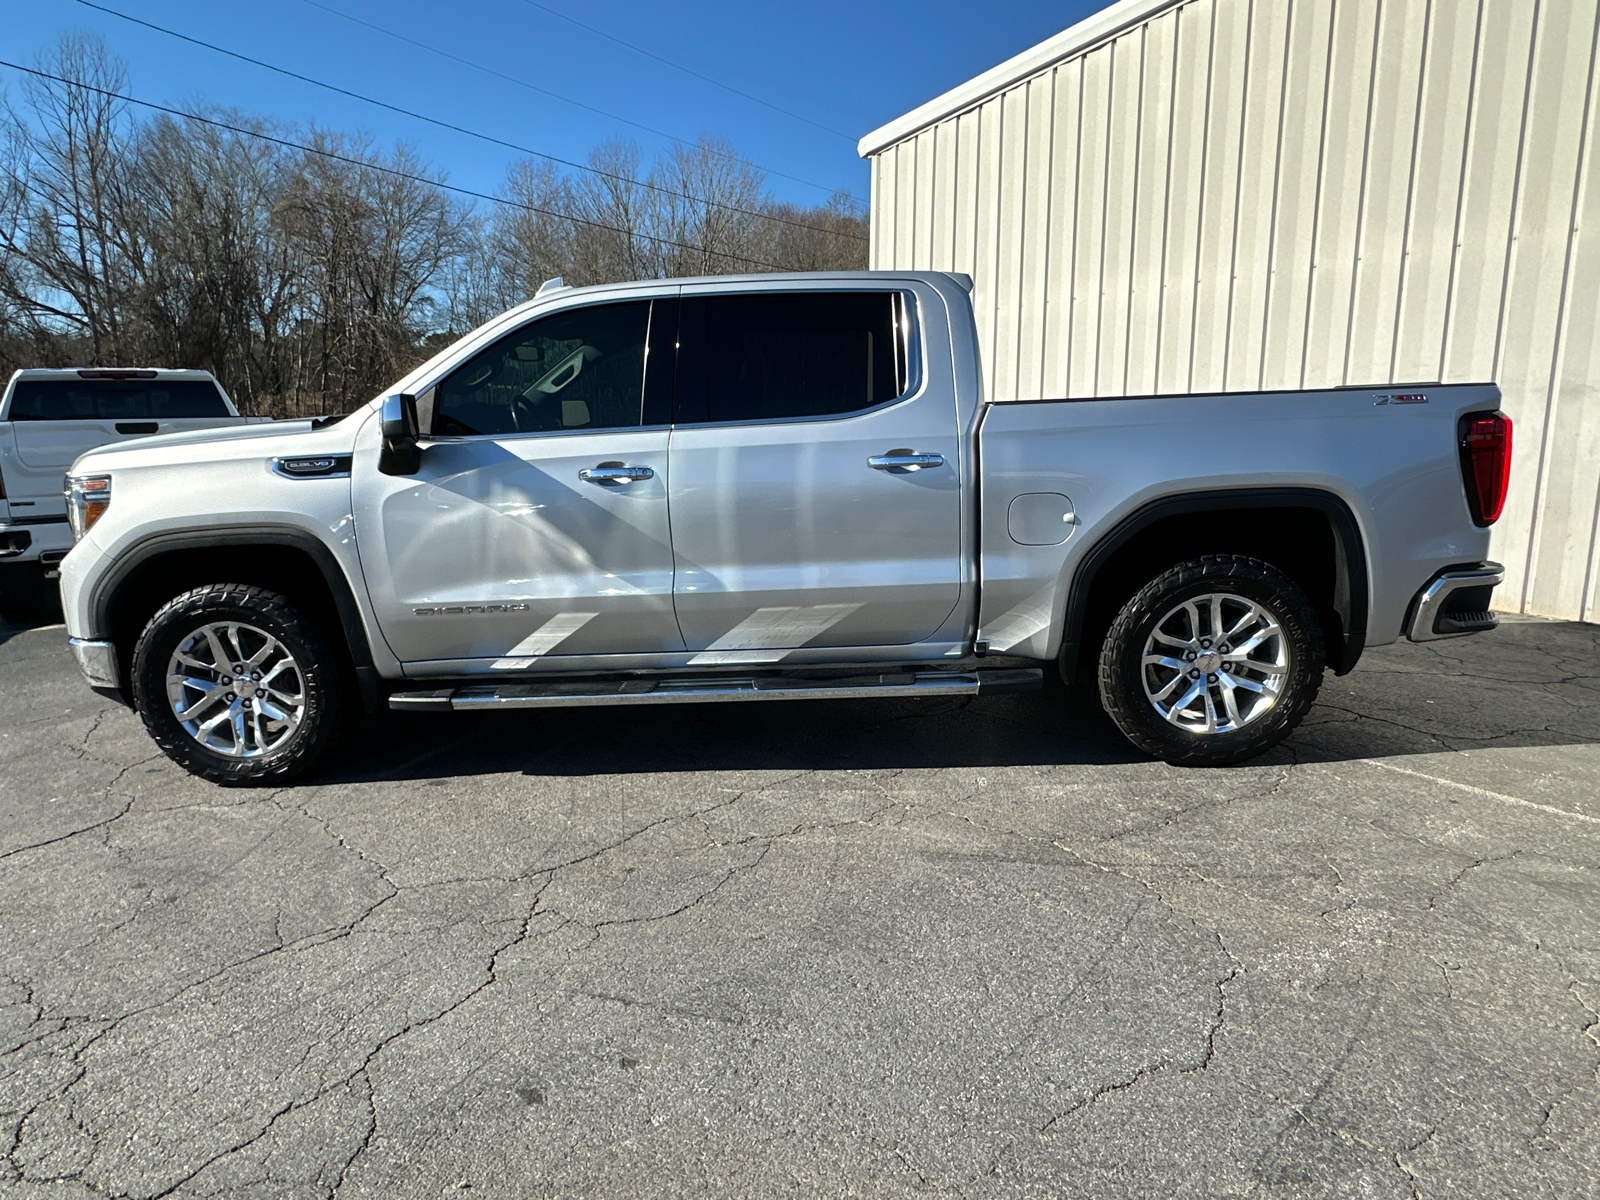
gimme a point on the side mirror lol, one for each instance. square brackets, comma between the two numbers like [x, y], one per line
[400, 455]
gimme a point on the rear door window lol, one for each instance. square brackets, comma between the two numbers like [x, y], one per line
[115, 400]
[578, 369]
[767, 357]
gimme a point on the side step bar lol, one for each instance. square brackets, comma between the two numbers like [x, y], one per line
[566, 693]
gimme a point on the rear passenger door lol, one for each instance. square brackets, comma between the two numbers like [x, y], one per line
[814, 489]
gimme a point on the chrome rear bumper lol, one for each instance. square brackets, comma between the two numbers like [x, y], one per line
[1455, 602]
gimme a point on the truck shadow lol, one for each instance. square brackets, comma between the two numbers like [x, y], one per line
[1528, 684]
[9, 631]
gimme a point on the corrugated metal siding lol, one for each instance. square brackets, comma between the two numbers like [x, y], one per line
[1244, 194]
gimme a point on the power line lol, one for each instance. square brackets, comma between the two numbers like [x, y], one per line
[522, 83]
[371, 166]
[686, 70]
[484, 137]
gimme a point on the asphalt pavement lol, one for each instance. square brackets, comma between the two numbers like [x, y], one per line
[970, 948]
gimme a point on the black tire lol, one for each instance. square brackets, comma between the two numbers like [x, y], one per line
[328, 689]
[1123, 675]
[26, 596]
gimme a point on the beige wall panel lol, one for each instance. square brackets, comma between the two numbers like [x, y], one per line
[922, 202]
[885, 199]
[905, 209]
[1059, 268]
[1386, 198]
[1535, 291]
[1083, 337]
[1355, 30]
[1010, 263]
[986, 235]
[1121, 229]
[877, 217]
[1219, 199]
[1155, 142]
[1447, 93]
[1260, 139]
[1036, 217]
[1559, 532]
[1563, 578]
[1492, 181]
[966, 193]
[1306, 98]
[1184, 193]
[944, 196]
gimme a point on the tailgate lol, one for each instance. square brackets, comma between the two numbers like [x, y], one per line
[55, 445]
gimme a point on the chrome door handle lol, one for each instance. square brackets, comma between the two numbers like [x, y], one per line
[614, 472]
[904, 460]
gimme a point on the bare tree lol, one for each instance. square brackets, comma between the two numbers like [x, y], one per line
[72, 254]
[307, 269]
[610, 241]
[528, 242]
[706, 210]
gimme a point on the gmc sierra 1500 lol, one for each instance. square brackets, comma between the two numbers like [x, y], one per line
[771, 487]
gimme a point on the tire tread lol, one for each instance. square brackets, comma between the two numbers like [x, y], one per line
[1123, 697]
[329, 685]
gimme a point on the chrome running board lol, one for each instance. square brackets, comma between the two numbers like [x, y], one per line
[568, 693]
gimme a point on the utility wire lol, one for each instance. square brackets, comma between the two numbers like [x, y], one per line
[372, 166]
[484, 137]
[522, 83]
[561, 16]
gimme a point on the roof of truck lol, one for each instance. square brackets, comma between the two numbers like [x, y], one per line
[111, 373]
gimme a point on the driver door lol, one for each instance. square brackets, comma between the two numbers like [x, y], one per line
[536, 531]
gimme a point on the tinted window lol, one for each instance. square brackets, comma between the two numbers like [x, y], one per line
[115, 399]
[580, 369]
[764, 357]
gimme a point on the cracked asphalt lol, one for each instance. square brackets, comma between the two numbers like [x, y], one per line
[972, 948]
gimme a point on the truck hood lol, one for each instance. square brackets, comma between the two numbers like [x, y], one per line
[263, 440]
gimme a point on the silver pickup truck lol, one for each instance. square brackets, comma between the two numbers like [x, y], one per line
[48, 417]
[769, 488]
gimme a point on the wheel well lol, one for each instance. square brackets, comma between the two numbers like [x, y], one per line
[285, 569]
[1309, 543]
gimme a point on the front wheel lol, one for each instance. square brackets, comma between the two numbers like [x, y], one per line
[237, 686]
[1212, 662]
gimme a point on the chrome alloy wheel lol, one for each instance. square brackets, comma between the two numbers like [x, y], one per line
[236, 689]
[1215, 663]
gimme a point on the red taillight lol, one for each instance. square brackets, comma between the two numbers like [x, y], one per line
[1486, 463]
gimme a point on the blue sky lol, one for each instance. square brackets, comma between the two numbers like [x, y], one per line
[849, 65]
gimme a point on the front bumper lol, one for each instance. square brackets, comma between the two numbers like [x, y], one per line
[1455, 603]
[97, 661]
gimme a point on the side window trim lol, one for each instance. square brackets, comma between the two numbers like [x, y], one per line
[690, 391]
[427, 397]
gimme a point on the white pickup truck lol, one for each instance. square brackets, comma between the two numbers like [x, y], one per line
[47, 419]
[763, 488]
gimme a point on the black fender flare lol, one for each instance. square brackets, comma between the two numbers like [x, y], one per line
[106, 587]
[1350, 599]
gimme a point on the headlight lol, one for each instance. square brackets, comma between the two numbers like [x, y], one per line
[88, 497]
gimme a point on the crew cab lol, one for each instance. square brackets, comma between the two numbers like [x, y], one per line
[47, 419]
[771, 487]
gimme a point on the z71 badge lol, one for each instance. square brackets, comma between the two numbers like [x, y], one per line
[1403, 398]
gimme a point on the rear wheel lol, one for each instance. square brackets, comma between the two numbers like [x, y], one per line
[1212, 662]
[238, 686]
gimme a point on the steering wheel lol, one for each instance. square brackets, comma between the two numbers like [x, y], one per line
[525, 414]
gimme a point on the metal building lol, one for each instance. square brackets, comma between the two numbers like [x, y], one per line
[1217, 195]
